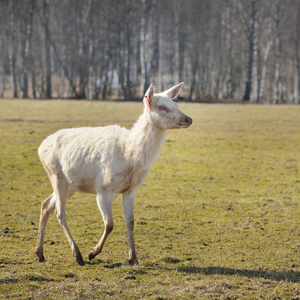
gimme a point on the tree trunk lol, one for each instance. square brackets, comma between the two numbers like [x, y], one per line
[229, 49]
[276, 90]
[129, 51]
[254, 85]
[266, 53]
[159, 32]
[251, 39]
[296, 81]
[144, 84]
[83, 53]
[11, 47]
[3, 79]
[27, 48]
[33, 82]
[195, 65]
[2, 70]
[94, 62]
[297, 59]
[177, 4]
[46, 12]
[264, 70]
[249, 72]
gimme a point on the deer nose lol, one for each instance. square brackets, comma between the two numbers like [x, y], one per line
[188, 120]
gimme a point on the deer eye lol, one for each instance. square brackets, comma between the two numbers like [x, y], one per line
[161, 107]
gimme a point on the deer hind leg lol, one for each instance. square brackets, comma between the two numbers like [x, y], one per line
[62, 193]
[47, 207]
[104, 201]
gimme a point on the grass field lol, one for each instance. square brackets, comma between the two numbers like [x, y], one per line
[217, 217]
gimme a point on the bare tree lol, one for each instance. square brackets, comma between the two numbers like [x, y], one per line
[144, 84]
[12, 46]
[251, 32]
[254, 37]
[276, 90]
[296, 56]
[229, 48]
[4, 35]
[26, 49]
[269, 38]
[46, 16]
[83, 33]
[177, 8]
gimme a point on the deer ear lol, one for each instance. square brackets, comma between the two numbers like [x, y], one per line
[174, 91]
[149, 96]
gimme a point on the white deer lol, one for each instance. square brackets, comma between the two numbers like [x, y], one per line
[105, 161]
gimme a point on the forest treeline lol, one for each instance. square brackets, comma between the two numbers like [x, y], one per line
[112, 49]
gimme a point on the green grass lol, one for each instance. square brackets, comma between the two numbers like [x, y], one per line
[217, 217]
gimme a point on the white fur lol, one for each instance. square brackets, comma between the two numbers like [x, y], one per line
[105, 161]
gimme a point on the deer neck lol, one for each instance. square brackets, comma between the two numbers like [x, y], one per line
[145, 141]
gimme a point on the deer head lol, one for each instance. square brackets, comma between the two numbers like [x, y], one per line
[163, 111]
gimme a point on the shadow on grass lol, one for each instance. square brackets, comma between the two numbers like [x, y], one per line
[271, 275]
[106, 264]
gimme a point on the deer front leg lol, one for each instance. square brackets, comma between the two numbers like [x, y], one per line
[104, 201]
[128, 206]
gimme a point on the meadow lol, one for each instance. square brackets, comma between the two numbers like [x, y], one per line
[217, 217]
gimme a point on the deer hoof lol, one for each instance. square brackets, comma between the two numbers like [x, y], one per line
[91, 255]
[133, 262]
[42, 259]
[79, 259]
[40, 256]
